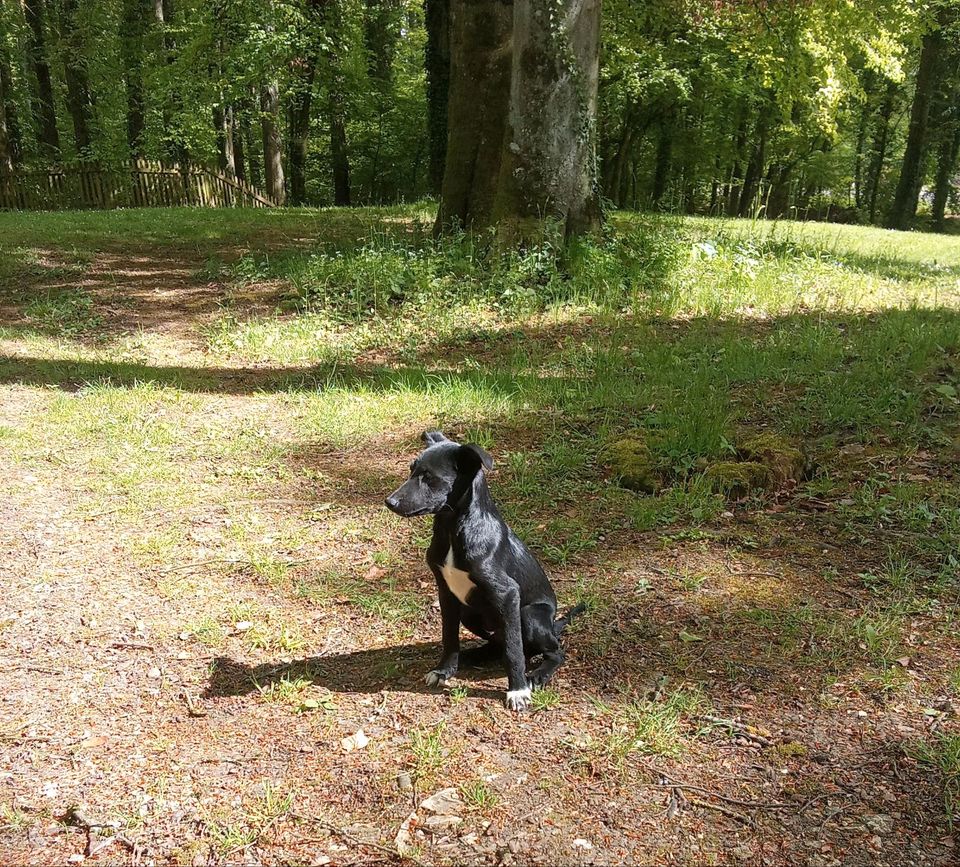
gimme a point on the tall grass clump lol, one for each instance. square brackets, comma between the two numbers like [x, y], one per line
[387, 273]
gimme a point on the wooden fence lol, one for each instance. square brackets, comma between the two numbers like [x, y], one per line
[138, 183]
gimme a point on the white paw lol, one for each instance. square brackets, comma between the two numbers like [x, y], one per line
[436, 678]
[518, 699]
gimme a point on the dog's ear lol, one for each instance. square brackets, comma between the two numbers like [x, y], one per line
[432, 437]
[476, 457]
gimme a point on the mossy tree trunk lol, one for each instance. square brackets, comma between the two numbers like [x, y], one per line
[44, 108]
[437, 65]
[549, 166]
[907, 196]
[478, 101]
[522, 117]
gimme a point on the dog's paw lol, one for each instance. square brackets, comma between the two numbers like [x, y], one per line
[519, 699]
[536, 680]
[437, 678]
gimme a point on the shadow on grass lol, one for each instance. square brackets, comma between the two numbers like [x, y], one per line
[400, 668]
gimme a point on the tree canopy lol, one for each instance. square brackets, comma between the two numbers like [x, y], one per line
[822, 108]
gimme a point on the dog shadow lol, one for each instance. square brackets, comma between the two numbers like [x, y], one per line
[400, 668]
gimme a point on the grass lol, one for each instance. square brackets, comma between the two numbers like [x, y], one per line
[429, 753]
[943, 754]
[232, 458]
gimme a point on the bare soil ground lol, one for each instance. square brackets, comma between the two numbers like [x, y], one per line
[173, 694]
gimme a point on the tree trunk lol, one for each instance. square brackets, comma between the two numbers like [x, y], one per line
[549, 163]
[6, 147]
[226, 153]
[239, 161]
[858, 157]
[736, 177]
[946, 166]
[299, 117]
[272, 145]
[778, 202]
[614, 177]
[338, 145]
[134, 26]
[381, 32]
[44, 108]
[879, 155]
[479, 99]
[252, 155]
[9, 109]
[437, 62]
[662, 163]
[79, 101]
[751, 180]
[911, 172]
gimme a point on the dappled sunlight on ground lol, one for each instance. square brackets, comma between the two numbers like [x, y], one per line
[205, 595]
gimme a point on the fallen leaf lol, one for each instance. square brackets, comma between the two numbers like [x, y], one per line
[688, 636]
[374, 573]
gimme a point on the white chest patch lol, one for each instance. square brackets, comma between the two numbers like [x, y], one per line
[457, 580]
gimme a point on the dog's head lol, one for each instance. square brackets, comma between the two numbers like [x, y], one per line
[439, 476]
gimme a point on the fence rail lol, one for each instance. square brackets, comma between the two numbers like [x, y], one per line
[137, 183]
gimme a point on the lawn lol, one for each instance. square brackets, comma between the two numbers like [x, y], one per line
[737, 442]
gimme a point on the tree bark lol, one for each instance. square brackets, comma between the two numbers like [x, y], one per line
[662, 163]
[79, 100]
[134, 25]
[299, 119]
[479, 98]
[858, 157]
[9, 128]
[549, 163]
[437, 63]
[44, 108]
[907, 195]
[338, 145]
[272, 145]
[380, 34]
[6, 147]
[239, 161]
[946, 166]
[224, 125]
[879, 155]
[751, 180]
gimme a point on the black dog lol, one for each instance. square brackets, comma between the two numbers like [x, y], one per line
[486, 577]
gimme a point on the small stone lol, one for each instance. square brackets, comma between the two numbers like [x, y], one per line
[879, 823]
[153, 673]
[404, 783]
[446, 802]
[580, 843]
[438, 824]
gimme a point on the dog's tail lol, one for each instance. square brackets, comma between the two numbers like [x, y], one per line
[560, 625]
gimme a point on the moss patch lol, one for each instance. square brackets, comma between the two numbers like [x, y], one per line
[738, 479]
[780, 456]
[633, 464]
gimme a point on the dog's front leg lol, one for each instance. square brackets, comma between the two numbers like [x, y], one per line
[518, 690]
[450, 614]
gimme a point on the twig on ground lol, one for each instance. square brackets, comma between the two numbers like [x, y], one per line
[741, 729]
[192, 708]
[753, 805]
[346, 835]
[733, 814]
